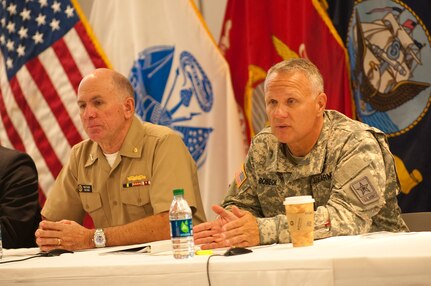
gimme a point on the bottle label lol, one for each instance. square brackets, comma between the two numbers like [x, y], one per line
[181, 228]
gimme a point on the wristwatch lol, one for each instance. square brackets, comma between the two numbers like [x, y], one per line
[99, 238]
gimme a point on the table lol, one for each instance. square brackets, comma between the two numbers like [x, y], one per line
[373, 259]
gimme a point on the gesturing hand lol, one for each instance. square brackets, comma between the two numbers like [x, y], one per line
[231, 228]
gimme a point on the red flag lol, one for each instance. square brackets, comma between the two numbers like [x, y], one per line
[257, 34]
[46, 49]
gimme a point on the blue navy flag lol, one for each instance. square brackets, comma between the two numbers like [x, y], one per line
[181, 80]
[45, 51]
[389, 48]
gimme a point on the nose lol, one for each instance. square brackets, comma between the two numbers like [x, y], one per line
[280, 111]
[89, 112]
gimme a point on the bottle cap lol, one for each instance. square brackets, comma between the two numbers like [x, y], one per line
[178, 192]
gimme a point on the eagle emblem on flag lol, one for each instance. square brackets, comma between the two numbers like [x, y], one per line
[174, 96]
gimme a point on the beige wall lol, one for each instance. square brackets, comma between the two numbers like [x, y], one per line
[212, 11]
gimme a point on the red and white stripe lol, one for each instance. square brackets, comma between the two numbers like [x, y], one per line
[39, 114]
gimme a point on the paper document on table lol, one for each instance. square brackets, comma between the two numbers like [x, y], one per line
[150, 248]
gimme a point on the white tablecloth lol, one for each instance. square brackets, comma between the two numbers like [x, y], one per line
[375, 259]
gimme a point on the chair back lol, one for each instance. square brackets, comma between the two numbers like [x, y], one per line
[420, 221]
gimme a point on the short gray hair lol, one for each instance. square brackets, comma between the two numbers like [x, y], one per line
[122, 83]
[302, 65]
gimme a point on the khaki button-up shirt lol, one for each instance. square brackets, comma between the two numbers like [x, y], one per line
[152, 162]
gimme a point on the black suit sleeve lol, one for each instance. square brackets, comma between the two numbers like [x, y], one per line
[19, 199]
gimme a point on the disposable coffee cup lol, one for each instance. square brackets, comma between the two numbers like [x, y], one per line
[300, 217]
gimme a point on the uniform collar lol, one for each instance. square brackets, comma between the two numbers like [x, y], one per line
[132, 145]
[312, 163]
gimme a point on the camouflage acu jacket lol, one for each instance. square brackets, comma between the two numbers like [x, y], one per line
[350, 173]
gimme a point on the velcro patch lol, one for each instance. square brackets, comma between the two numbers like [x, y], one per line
[240, 177]
[365, 191]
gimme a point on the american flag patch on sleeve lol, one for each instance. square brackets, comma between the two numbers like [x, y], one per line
[240, 177]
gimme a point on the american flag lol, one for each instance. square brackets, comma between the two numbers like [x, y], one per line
[46, 48]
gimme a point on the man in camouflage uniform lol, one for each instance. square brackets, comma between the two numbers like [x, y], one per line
[345, 165]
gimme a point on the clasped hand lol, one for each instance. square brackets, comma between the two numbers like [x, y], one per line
[232, 228]
[63, 234]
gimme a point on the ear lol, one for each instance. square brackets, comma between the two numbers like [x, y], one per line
[321, 102]
[129, 107]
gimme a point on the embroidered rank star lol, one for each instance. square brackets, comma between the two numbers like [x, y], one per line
[364, 190]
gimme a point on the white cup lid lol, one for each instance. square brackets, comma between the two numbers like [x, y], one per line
[298, 200]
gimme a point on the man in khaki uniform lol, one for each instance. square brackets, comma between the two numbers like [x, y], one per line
[122, 176]
[344, 164]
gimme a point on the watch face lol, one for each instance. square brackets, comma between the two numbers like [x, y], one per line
[99, 238]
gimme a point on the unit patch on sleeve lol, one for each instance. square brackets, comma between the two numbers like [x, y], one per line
[364, 190]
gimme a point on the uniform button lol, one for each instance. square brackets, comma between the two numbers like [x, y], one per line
[115, 203]
[135, 150]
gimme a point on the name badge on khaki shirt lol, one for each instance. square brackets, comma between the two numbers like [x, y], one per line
[85, 188]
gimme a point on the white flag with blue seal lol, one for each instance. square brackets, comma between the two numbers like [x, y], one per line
[181, 80]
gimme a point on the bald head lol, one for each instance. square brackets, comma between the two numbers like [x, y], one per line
[106, 105]
[109, 77]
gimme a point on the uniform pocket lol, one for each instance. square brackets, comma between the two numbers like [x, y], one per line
[136, 196]
[136, 202]
[90, 201]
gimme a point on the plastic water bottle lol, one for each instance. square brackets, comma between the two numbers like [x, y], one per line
[180, 217]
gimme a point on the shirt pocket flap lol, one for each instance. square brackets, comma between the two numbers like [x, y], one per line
[137, 196]
[90, 201]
